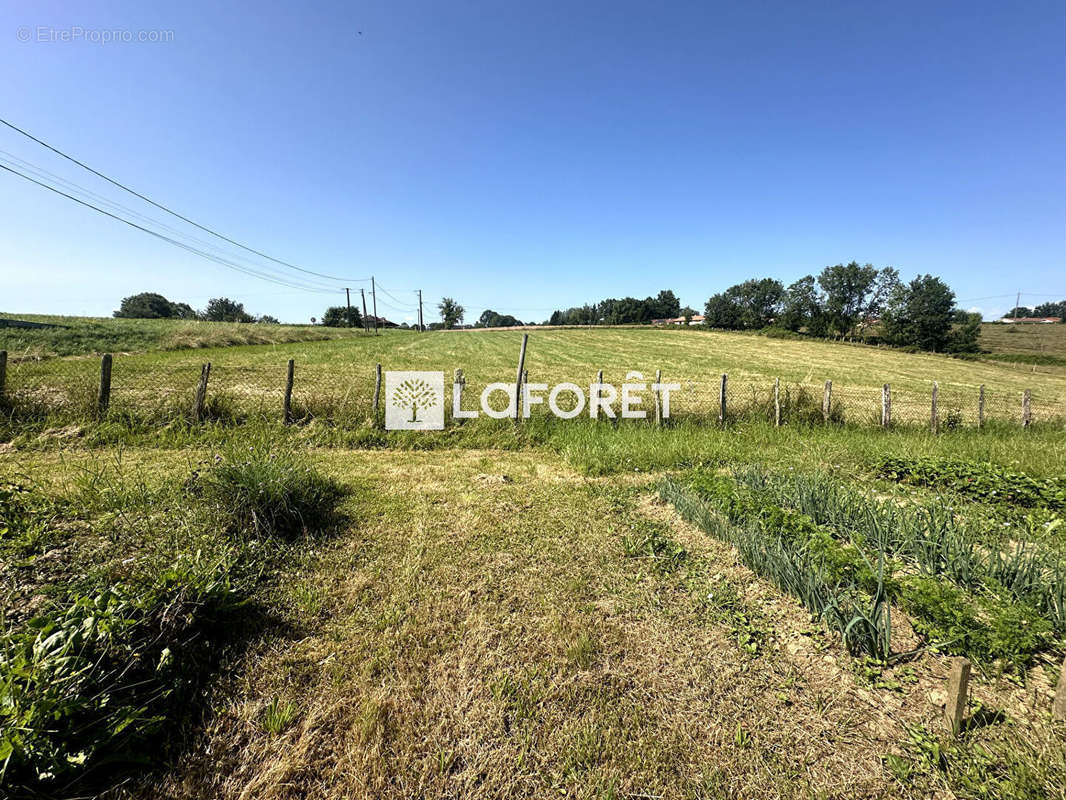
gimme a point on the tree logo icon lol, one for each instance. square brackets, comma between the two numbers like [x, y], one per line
[414, 401]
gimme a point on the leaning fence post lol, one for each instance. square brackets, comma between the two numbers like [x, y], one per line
[658, 398]
[1027, 411]
[934, 420]
[377, 393]
[827, 401]
[886, 406]
[777, 402]
[958, 689]
[201, 393]
[103, 396]
[3, 372]
[981, 406]
[518, 378]
[721, 399]
[286, 411]
[458, 383]
[1058, 708]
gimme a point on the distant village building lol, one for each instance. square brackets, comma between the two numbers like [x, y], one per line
[697, 319]
[1033, 320]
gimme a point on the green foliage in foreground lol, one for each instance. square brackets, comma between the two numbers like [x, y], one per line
[89, 679]
[985, 482]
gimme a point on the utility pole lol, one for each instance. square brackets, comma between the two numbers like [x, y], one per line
[1017, 300]
[421, 327]
[348, 297]
[374, 295]
[366, 320]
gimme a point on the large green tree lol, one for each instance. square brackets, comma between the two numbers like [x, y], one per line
[451, 313]
[920, 314]
[222, 309]
[149, 305]
[342, 317]
[855, 295]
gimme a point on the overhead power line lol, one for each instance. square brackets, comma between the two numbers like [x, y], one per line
[209, 256]
[175, 213]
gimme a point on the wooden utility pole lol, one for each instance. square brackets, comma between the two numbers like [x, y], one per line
[348, 298]
[366, 319]
[374, 297]
[421, 324]
[1017, 300]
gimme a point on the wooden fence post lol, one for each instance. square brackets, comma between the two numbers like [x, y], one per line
[103, 396]
[934, 420]
[1027, 411]
[721, 399]
[459, 380]
[377, 394]
[886, 406]
[599, 380]
[981, 407]
[201, 393]
[657, 394]
[518, 378]
[1058, 708]
[3, 372]
[827, 401]
[958, 691]
[286, 409]
[777, 402]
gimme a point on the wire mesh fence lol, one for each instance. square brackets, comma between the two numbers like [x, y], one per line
[147, 389]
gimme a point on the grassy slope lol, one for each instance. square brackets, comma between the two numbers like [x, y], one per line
[483, 631]
[92, 335]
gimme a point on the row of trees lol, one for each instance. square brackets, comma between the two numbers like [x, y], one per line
[149, 305]
[845, 300]
[627, 311]
[1043, 310]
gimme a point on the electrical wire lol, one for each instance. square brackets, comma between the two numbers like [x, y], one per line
[175, 213]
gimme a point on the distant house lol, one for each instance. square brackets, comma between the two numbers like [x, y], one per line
[697, 319]
[1032, 320]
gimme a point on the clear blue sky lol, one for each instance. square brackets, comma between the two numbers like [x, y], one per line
[532, 155]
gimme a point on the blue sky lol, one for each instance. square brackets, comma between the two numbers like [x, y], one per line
[527, 156]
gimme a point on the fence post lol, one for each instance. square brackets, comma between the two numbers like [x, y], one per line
[658, 398]
[201, 393]
[1058, 708]
[599, 380]
[286, 411]
[981, 407]
[458, 380]
[103, 396]
[377, 393]
[1027, 411]
[886, 406]
[958, 689]
[827, 401]
[934, 420]
[3, 372]
[721, 399]
[518, 378]
[777, 402]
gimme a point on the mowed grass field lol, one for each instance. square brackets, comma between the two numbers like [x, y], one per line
[343, 369]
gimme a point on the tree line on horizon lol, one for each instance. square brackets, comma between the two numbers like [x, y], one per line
[150, 305]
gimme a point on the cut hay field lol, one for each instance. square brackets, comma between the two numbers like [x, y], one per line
[335, 378]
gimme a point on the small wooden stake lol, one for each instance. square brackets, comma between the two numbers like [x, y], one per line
[103, 396]
[721, 399]
[886, 406]
[1058, 708]
[934, 420]
[827, 401]
[286, 409]
[201, 393]
[658, 398]
[777, 402]
[377, 393]
[518, 378]
[981, 406]
[3, 372]
[599, 380]
[958, 692]
[1027, 411]
[458, 380]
